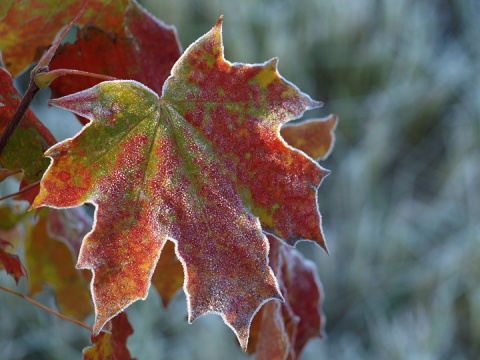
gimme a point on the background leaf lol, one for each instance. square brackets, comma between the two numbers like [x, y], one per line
[51, 263]
[282, 330]
[10, 234]
[272, 340]
[145, 50]
[168, 275]
[111, 346]
[315, 137]
[30, 159]
[30, 26]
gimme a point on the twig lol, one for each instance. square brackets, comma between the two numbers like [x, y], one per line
[51, 311]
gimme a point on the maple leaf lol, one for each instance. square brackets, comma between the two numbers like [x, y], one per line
[282, 330]
[29, 26]
[303, 294]
[191, 167]
[31, 136]
[50, 262]
[145, 50]
[136, 59]
[111, 346]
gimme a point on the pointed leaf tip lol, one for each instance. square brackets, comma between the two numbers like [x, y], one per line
[315, 104]
[272, 63]
[219, 22]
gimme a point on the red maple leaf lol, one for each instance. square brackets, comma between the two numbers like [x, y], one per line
[203, 166]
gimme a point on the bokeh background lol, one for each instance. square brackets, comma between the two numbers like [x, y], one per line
[401, 208]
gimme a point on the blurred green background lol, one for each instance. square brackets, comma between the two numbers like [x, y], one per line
[401, 208]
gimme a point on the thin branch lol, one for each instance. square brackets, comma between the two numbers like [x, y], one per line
[51, 311]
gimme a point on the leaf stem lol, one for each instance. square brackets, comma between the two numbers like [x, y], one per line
[18, 115]
[62, 72]
[46, 308]
[44, 80]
